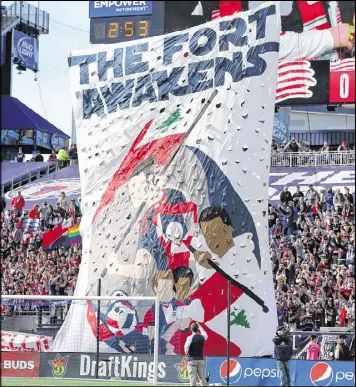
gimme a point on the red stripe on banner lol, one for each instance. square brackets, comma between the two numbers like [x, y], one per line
[294, 86]
[343, 62]
[283, 65]
[295, 79]
[215, 15]
[300, 72]
[346, 66]
[297, 94]
[343, 69]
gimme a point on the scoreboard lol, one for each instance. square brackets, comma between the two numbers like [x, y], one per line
[122, 21]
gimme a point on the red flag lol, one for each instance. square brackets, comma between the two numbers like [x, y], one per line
[161, 149]
[51, 238]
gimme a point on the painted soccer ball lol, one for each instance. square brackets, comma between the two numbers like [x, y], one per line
[121, 316]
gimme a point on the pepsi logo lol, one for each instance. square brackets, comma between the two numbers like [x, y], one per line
[321, 374]
[235, 371]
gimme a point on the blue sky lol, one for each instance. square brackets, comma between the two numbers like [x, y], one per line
[54, 49]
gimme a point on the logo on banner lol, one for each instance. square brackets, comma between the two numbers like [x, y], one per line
[182, 369]
[235, 371]
[321, 374]
[59, 365]
[47, 189]
[25, 48]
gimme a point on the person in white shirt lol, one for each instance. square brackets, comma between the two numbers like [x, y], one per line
[194, 349]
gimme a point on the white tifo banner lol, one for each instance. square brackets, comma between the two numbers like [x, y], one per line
[15, 341]
[174, 139]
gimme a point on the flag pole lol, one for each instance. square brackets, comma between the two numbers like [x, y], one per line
[228, 331]
[98, 331]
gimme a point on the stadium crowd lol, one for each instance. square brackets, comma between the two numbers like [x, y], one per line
[294, 146]
[26, 267]
[293, 153]
[312, 248]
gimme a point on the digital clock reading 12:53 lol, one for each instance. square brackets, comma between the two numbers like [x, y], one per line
[121, 29]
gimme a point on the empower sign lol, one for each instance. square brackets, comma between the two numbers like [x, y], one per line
[119, 8]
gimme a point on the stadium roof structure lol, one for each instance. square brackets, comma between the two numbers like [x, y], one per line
[17, 116]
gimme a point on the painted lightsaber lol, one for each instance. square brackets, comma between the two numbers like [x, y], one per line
[244, 288]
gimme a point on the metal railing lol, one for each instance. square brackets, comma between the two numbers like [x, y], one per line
[27, 14]
[31, 176]
[312, 159]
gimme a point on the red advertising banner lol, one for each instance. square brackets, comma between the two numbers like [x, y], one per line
[342, 82]
[20, 364]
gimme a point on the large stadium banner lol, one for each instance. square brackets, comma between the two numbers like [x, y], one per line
[174, 140]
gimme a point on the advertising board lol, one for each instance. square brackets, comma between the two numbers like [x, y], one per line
[25, 48]
[20, 364]
[319, 177]
[171, 369]
[119, 8]
[16, 137]
[264, 372]
[281, 125]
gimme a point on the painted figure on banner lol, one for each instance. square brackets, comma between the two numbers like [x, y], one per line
[119, 328]
[172, 235]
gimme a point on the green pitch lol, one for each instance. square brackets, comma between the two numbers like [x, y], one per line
[63, 382]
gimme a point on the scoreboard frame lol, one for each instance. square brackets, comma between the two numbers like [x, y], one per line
[107, 30]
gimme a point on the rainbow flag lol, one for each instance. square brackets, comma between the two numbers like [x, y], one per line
[74, 235]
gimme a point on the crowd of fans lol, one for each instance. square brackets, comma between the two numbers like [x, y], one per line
[312, 249]
[293, 153]
[294, 146]
[26, 267]
[63, 155]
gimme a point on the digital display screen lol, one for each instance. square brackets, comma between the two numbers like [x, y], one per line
[119, 30]
[126, 28]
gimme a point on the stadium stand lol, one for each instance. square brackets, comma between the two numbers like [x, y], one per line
[15, 174]
[48, 187]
